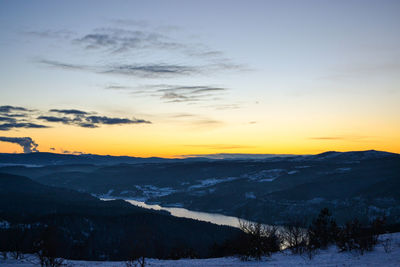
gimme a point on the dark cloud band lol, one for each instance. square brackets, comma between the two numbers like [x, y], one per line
[10, 120]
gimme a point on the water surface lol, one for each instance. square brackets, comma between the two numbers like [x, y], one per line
[185, 213]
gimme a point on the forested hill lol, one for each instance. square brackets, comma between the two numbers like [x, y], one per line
[85, 227]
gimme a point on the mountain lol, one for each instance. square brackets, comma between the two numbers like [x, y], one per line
[44, 158]
[85, 227]
[271, 190]
[353, 155]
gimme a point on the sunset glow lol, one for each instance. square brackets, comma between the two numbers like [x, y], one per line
[174, 78]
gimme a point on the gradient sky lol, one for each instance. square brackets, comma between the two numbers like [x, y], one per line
[291, 77]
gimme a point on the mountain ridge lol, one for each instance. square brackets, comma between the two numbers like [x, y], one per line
[48, 158]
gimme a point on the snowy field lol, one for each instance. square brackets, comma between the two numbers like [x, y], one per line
[379, 257]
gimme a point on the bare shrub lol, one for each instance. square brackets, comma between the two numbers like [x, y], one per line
[138, 262]
[295, 236]
[356, 237]
[258, 240]
[46, 248]
[387, 245]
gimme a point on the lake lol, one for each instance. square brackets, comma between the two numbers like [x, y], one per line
[185, 213]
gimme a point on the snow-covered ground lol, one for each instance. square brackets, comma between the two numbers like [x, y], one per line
[378, 257]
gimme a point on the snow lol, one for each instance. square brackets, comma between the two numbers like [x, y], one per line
[250, 195]
[4, 225]
[17, 165]
[302, 167]
[265, 175]
[211, 182]
[316, 200]
[344, 169]
[330, 257]
[150, 191]
[267, 180]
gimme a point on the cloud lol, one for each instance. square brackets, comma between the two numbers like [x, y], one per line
[33, 118]
[13, 117]
[140, 37]
[118, 87]
[7, 119]
[69, 111]
[182, 115]
[225, 106]
[150, 43]
[174, 93]
[63, 65]
[108, 120]
[220, 146]
[340, 138]
[64, 120]
[135, 70]
[206, 123]
[82, 119]
[327, 138]
[25, 142]
[9, 109]
[58, 34]
[14, 125]
[118, 40]
[151, 70]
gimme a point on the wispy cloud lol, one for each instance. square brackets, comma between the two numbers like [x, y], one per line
[63, 34]
[17, 125]
[339, 138]
[119, 40]
[140, 40]
[65, 66]
[160, 70]
[219, 146]
[151, 70]
[205, 123]
[69, 111]
[327, 138]
[175, 93]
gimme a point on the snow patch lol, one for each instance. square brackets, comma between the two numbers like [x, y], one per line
[302, 167]
[265, 175]
[4, 225]
[211, 182]
[151, 191]
[344, 169]
[250, 195]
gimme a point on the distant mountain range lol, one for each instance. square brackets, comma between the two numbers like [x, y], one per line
[45, 158]
[273, 190]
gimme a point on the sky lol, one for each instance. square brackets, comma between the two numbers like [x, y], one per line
[173, 78]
